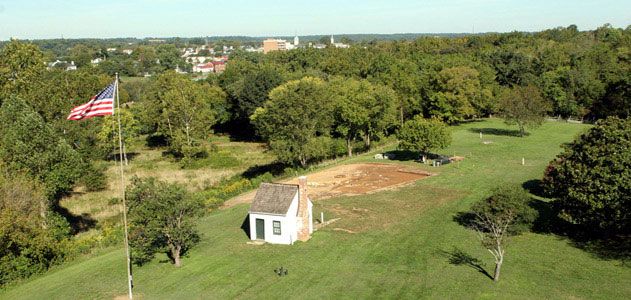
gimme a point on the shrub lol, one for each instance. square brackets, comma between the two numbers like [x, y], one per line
[94, 179]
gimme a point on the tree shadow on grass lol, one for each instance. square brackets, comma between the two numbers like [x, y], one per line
[408, 155]
[275, 168]
[458, 257]
[465, 219]
[600, 244]
[534, 187]
[498, 131]
[78, 223]
[402, 155]
[116, 156]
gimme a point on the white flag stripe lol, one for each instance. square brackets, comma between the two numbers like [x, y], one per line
[82, 107]
[95, 106]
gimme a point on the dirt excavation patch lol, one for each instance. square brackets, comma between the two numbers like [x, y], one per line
[350, 180]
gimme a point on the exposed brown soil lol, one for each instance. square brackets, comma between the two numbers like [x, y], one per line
[355, 179]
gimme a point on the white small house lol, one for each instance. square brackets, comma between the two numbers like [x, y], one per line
[281, 213]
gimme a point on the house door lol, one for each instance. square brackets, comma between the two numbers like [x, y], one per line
[260, 229]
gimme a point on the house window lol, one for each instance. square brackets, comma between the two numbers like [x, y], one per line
[276, 225]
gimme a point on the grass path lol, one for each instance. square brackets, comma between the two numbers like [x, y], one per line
[402, 247]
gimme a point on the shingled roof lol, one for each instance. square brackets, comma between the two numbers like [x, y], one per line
[273, 198]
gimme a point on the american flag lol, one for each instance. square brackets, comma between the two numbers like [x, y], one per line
[100, 105]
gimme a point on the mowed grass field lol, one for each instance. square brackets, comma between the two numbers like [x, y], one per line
[392, 244]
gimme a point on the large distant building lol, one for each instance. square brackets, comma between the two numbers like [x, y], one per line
[274, 45]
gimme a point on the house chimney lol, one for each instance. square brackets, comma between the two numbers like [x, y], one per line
[303, 210]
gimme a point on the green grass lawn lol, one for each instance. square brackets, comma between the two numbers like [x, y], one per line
[401, 246]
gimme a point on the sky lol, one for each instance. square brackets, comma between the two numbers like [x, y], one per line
[38, 19]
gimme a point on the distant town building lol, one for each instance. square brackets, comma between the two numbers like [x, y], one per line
[220, 66]
[178, 70]
[62, 64]
[274, 45]
[71, 66]
[128, 51]
[96, 61]
[338, 45]
[296, 41]
[204, 68]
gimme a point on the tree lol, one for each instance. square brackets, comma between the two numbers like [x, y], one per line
[184, 110]
[403, 77]
[108, 135]
[591, 179]
[362, 109]
[146, 57]
[161, 217]
[169, 57]
[82, 55]
[512, 67]
[20, 64]
[423, 135]
[30, 145]
[30, 234]
[503, 214]
[523, 106]
[460, 95]
[297, 113]
[252, 91]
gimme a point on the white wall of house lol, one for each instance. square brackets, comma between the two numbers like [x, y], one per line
[310, 204]
[288, 230]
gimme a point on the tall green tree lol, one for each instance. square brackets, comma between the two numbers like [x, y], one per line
[523, 106]
[362, 110]
[169, 57]
[423, 135]
[460, 95]
[30, 239]
[20, 64]
[28, 144]
[184, 110]
[162, 219]
[591, 179]
[82, 55]
[297, 113]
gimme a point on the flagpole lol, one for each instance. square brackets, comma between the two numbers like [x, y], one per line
[120, 150]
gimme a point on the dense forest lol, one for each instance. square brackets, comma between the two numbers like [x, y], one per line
[305, 104]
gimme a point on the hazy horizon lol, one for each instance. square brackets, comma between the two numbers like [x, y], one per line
[39, 19]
